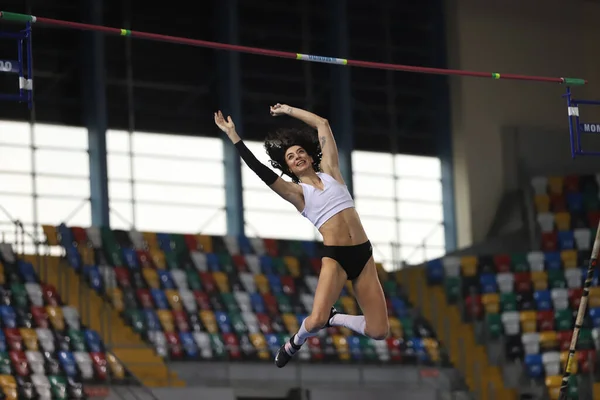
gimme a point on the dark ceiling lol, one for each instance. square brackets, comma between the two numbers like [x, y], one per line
[175, 88]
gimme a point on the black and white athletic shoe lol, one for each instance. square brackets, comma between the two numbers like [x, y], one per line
[286, 352]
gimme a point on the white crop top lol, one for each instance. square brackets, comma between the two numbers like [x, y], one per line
[321, 205]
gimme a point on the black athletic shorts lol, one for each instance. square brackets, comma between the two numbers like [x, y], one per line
[352, 258]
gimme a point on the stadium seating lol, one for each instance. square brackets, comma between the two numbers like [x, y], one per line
[531, 299]
[45, 350]
[198, 297]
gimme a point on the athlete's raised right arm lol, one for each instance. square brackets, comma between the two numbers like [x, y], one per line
[287, 190]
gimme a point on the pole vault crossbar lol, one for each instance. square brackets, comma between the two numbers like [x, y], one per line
[24, 18]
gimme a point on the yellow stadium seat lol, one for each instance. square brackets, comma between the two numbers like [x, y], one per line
[553, 385]
[116, 298]
[9, 386]
[396, 327]
[51, 235]
[222, 281]
[174, 299]
[433, 349]
[555, 184]
[260, 344]
[291, 322]
[542, 203]
[262, 283]
[55, 315]
[548, 340]
[29, 338]
[491, 303]
[341, 345]
[159, 258]
[151, 240]
[151, 277]
[349, 305]
[166, 320]
[539, 280]
[569, 258]
[205, 243]
[594, 297]
[2, 276]
[87, 255]
[468, 265]
[563, 220]
[528, 321]
[209, 321]
[293, 266]
[115, 366]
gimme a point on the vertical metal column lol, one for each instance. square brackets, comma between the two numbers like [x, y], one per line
[229, 84]
[441, 94]
[341, 95]
[94, 97]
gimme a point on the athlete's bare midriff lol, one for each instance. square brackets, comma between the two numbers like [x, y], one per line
[344, 229]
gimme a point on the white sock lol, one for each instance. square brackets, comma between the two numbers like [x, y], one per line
[303, 334]
[355, 323]
[299, 339]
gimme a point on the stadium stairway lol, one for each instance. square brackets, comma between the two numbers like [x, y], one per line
[482, 378]
[138, 357]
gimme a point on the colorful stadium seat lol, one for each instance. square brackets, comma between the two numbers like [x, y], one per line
[530, 299]
[45, 351]
[198, 297]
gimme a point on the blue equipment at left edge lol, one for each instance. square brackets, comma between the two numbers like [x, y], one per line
[22, 66]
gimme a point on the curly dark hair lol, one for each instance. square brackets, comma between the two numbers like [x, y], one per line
[279, 141]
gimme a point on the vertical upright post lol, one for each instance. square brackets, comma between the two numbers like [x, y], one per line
[94, 97]
[229, 84]
[441, 94]
[341, 95]
[573, 111]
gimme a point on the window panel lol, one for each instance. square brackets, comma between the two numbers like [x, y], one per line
[16, 183]
[266, 200]
[415, 232]
[419, 255]
[180, 194]
[164, 218]
[12, 132]
[68, 163]
[179, 146]
[278, 225]
[60, 136]
[18, 207]
[117, 141]
[380, 230]
[418, 166]
[121, 214]
[372, 162]
[419, 189]
[119, 166]
[63, 186]
[422, 211]
[56, 211]
[382, 252]
[373, 186]
[379, 208]
[178, 171]
[119, 190]
[15, 159]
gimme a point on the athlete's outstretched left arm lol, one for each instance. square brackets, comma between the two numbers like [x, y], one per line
[330, 163]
